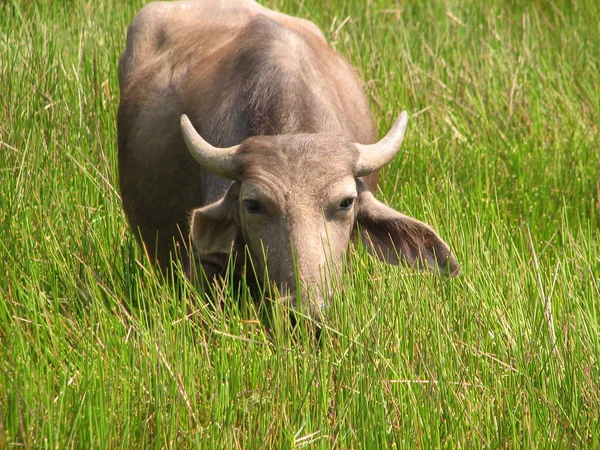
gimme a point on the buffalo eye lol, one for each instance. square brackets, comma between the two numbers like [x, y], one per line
[252, 206]
[347, 203]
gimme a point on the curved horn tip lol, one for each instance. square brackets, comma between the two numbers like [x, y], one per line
[190, 134]
[220, 161]
[374, 156]
[401, 121]
[184, 120]
[403, 116]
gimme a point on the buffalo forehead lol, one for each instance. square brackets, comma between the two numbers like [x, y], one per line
[300, 162]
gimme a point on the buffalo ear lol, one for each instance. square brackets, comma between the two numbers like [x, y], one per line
[214, 227]
[392, 236]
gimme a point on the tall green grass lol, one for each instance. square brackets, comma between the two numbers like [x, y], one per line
[501, 157]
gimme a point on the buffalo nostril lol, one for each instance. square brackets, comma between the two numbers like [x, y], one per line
[313, 326]
[310, 309]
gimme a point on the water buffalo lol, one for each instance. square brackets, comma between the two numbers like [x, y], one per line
[241, 128]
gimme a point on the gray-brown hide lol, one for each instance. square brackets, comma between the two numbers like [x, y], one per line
[246, 75]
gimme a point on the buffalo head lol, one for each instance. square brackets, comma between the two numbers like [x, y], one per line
[298, 200]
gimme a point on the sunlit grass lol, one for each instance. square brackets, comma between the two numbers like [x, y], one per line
[501, 157]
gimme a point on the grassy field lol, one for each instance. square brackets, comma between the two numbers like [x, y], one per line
[501, 157]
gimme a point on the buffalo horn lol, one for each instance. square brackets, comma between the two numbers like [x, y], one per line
[374, 156]
[220, 161]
